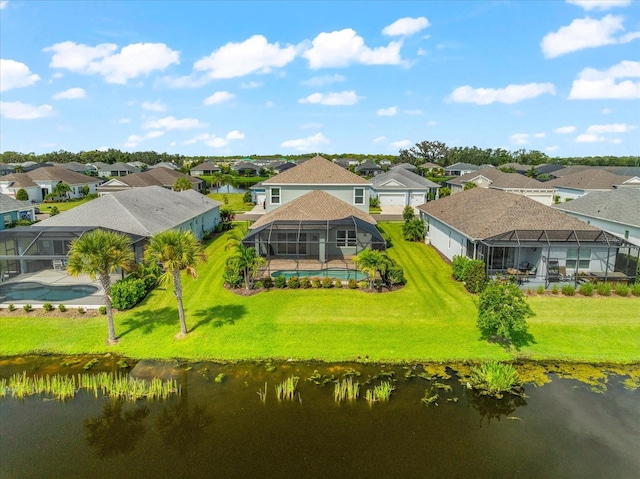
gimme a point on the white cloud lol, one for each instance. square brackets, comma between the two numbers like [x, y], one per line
[103, 148]
[539, 135]
[311, 126]
[154, 106]
[510, 94]
[134, 140]
[422, 52]
[617, 141]
[432, 123]
[216, 142]
[563, 130]
[250, 85]
[14, 74]
[379, 139]
[123, 121]
[406, 26]
[323, 80]
[585, 33]
[3, 4]
[305, 144]
[332, 99]
[269, 104]
[187, 81]
[412, 112]
[552, 148]
[391, 111]
[235, 135]
[596, 84]
[519, 138]
[16, 110]
[254, 55]
[218, 97]
[343, 48]
[70, 94]
[612, 128]
[589, 138]
[606, 111]
[401, 143]
[132, 61]
[171, 123]
[599, 4]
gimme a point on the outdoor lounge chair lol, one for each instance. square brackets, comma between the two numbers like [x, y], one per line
[564, 276]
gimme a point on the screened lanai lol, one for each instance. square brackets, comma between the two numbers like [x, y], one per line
[560, 256]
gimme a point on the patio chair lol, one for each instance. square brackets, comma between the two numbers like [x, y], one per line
[564, 276]
[58, 265]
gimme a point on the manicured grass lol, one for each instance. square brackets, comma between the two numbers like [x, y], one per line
[63, 205]
[431, 319]
[235, 200]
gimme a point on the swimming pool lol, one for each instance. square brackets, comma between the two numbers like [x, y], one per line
[34, 291]
[337, 273]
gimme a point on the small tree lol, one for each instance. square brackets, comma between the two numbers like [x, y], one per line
[247, 197]
[85, 190]
[469, 185]
[503, 311]
[22, 195]
[54, 211]
[61, 190]
[371, 261]
[444, 191]
[414, 230]
[248, 261]
[182, 184]
[408, 214]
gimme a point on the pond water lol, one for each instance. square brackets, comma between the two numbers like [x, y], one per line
[223, 429]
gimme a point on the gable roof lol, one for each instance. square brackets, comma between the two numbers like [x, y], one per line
[501, 180]
[139, 211]
[406, 166]
[157, 176]
[621, 205]
[462, 166]
[50, 173]
[570, 170]
[403, 176]
[368, 166]
[119, 166]
[316, 205]
[317, 171]
[548, 168]
[7, 203]
[589, 179]
[481, 213]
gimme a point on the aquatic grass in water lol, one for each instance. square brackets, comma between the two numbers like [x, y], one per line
[346, 390]
[494, 379]
[379, 393]
[287, 389]
[263, 394]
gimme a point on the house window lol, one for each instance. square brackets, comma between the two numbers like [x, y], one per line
[346, 237]
[583, 261]
[275, 196]
[626, 234]
[358, 196]
[288, 244]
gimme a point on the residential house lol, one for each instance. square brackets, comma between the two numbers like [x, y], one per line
[518, 235]
[41, 181]
[406, 166]
[12, 210]
[401, 187]
[459, 169]
[369, 169]
[204, 169]
[165, 164]
[106, 170]
[516, 167]
[284, 166]
[6, 169]
[246, 168]
[84, 169]
[585, 181]
[317, 174]
[510, 182]
[614, 211]
[164, 177]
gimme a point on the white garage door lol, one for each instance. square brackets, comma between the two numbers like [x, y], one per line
[260, 198]
[417, 199]
[391, 199]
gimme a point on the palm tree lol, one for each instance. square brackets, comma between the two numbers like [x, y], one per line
[176, 251]
[98, 254]
[370, 261]
[182, 184]
[414, 230]
[247, 260]
[61, 189]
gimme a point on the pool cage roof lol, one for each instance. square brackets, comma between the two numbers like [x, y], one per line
[516, 238]
[269, 231]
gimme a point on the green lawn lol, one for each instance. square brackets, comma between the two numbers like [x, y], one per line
[235, 200]
[63, 205]
[431, 319]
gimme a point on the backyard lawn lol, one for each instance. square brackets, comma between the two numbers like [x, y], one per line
[431, 319]
[235, 201]
[62, 205]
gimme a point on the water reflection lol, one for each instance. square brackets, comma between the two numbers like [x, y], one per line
[490, 408]
[116, 431]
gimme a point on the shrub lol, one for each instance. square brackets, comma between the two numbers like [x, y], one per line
[22, 195]
[503, 311]
[374, 203]
[568, 289]
[81, 310]
[267, 282]
[621, 289]
[338, 283]
[231, 274]
[495, 379]
[327, 282]
[395, 275]
[305, 283]
[363, 284]
[316, 283]
[293, 283]
[247, 197]
[635, 289]
[27, 308]
[352, 284]
[280, 282]
[258, 285]
[54, 211]
[408, 214]
[541, 289]
[47, 307]
[62, 308]
[127, 292]
[459, 266]
[414, 229]
[586, 289]
[554, 289]
[102, 310]
[476, 279]
[604, 289]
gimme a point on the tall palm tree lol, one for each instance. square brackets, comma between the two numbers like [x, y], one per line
[176, 251]
[99, 253]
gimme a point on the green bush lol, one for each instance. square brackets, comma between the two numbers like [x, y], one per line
[316, 283]
[395, 275]
[247, 197]
[374, 203]
[327, 282]
[635, 289]
[459, 266]
[81, 310]
[47, 307]
[503, 311]
[604, 289]
[414, 229]
[12, 307]
[27, 308]
[621, 289]
[586, 289]
[305, 283]
[267, 282]
[363, 284]
[476, 279]
[352, 283]
[554, 289]
[293, 283]
[127, 292]
[338, 283]
[54, 211]
[495, 379]
[408, 214]
[231, 274]
[102, 310]
[568, 289]
[22, 195]
[540, 289]
[280, 282]
[62, 308]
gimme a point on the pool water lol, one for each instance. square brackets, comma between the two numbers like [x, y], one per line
[42, 292]
[337, 273]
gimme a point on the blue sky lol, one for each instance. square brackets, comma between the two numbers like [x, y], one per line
[242, 78]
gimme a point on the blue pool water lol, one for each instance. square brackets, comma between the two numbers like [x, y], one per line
[337, 273]
[41, 292]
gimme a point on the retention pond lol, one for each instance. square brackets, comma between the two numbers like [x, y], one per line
[578, 421]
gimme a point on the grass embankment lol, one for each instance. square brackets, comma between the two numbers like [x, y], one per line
[431, 319]
[235, 201]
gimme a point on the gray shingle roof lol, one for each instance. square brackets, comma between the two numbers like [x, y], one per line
[589, 179]
[502, 180]
[317, 171]
[51, 173]
[621, 205]
[157, 176]
[7, 203]
[140, 211]
[316, 205]
[482, 213]
[403, 176]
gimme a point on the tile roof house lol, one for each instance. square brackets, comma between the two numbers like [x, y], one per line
[164, 177]
[511, 182]
[587, 180]
[615, 211]
[512, 232]
[401, 187]
[41, 181]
